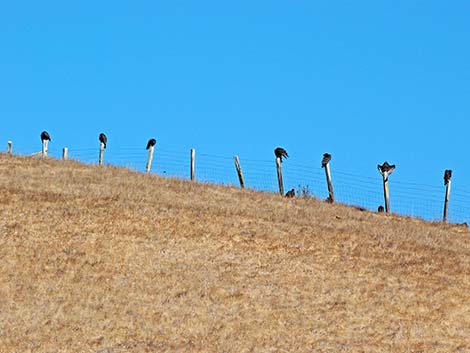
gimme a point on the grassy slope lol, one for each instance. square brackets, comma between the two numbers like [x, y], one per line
[105, 259]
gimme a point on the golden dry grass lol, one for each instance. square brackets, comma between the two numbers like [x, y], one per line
[109, 260]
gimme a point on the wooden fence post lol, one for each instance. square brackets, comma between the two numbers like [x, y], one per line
[100, 159]
[150, 146]
[239, 172]
[10, 148]
[149, 159]
[192, 165]
[65, 153]
[447, 182]
[45, 144]
[386, 169]
[280, 152]
[279, 175]
[325, 163]
[45, 138]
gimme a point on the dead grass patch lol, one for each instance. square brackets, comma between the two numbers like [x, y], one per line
[106, 259]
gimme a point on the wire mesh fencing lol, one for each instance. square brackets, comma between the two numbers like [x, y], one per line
[409, 199]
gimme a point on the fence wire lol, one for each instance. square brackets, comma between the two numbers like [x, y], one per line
[409, 199]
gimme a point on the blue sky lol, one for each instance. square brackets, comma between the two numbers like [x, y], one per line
[366, 81]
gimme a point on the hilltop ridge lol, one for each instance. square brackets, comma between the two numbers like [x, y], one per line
[105, 259]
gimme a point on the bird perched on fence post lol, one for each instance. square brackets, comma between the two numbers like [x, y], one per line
[151, 143]
[447, 176]
[325, 164]
[386, 168]
[290, 193]
[280, 152]
[150, 146]
[326, 159]
[45, 136]
[103, 139]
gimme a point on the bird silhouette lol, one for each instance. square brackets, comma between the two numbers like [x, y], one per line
[447, 176]
[290, 193]
[152, 142]
[325, 160]
[280, 152]
[103, 139]
[45, 136]
[386, 168]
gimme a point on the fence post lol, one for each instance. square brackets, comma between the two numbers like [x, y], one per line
[447, 182]
[150, 146]
[65, 153]
[103, 141]
[193, 158]
[45, 138]
[279, 175]
[386, 169]
[10, 148]
[280, 152]
[239, 172]
[325, 163]
[149, 159]
[45, 144]
[100, 159]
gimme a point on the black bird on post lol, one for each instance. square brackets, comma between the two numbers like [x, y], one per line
[326, 159]
[447, 176]
[280, 152]
[290, 193]
[386, 168]
[103, 139]
[45, 136]
[151, 143]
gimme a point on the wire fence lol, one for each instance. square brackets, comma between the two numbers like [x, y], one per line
[409, 199]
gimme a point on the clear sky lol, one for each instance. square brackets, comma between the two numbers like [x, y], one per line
[366, 81]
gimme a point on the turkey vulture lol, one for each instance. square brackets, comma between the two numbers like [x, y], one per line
[152, 142]
[325, 160]
[386, 168]
[280, 152]
[45, 136]
[290, 193]
[447, 176]
[103, 139]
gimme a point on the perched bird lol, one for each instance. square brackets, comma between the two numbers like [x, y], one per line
[281, 152]
[325, 160]
[152, 142]
[447, 176]
[290, 193]
[45, 136]
[386, 168]
[380, 209]
[103, 139]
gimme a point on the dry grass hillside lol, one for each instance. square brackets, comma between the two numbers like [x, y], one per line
[109, 260]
